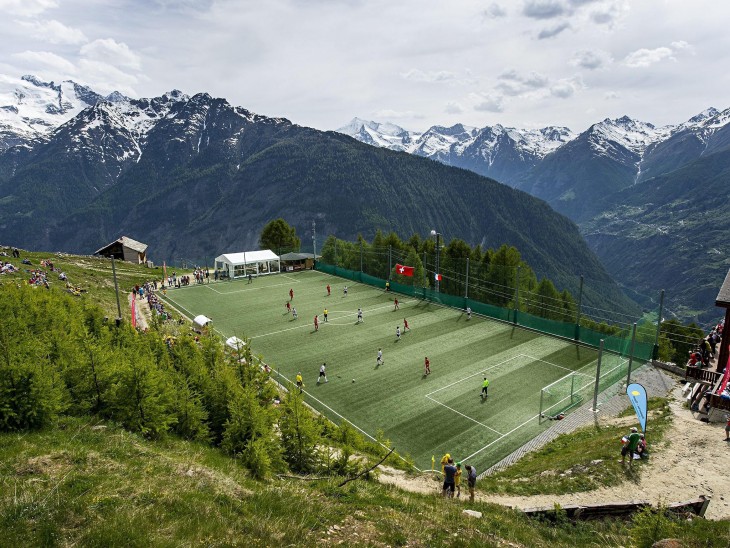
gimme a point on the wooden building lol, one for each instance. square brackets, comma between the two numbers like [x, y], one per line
[125, 249]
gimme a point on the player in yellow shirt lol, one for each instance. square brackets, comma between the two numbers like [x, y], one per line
[457, 479]
[444, 461]
[300, 382]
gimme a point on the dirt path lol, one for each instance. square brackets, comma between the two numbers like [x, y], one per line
[692, 461]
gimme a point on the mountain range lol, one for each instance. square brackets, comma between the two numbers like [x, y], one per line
[649, 200]
[194, 176]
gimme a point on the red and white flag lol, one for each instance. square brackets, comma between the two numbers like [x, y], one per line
[404, 270]
[437, 277]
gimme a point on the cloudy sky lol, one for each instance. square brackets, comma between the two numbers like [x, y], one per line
[522, 63]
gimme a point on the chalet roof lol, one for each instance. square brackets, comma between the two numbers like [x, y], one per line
[126, 242]
[723, 297]
[297, 256]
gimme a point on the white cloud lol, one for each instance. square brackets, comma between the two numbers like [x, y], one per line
[53, 31]
[488, 101]
[611, 95]
[108, 50]
[453, 107]
[591, 59]
[645, 57]
[566, 87]
[105, 78]
[26, 8]
[513, 83]
[432, 76]
[46, 59]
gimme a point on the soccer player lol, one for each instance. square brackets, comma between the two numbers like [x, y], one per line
[344, 290]
[485, 386]
[328, 290]
[291, 294]
[322, 373]
[405, 325]
[359, 315]
[468, 312]
[397, 332]
[427, 366]
[395, 303]
[300, 382]
[387, 285]
[380, 356]
[294, 312]
[316, 323]
[287, 306]
[325, 314]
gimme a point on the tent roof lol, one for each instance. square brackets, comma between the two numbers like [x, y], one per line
[201, 320]
[247, 257]
[126, 242]
[723, 297]
[235, 343]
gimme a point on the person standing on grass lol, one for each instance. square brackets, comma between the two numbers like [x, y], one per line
[485, 386]
[344, 291]
[294, 312]
[468, 312]
[405, 325]
[359, 315]
[291, 294]
[380, 357]
[471, 480]
[322, 373]
[250, 278]
[316, 323]
[457, 480]
[300, 382]
[329, 289]
[397, 332]
[630, 446]
[426, 366]
[325, 314]
[449, 479]
[395, 304]
[387, 285]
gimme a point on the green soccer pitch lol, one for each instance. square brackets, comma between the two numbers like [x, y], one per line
[423, 416]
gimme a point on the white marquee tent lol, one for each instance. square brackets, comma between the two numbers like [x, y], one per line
[201, 320]
[235, 265]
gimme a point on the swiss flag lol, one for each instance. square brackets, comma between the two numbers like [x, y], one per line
[437, 277]
[404, 270]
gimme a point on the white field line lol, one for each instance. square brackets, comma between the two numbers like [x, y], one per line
[465, 416]
[248, 288]
[475, 374]
[502, 436]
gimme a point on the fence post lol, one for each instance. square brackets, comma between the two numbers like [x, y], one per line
[466, 290]
[517, 295]
[655, 353]
[598, 378]
[631, 355]
[578, 312]
[390, 262]
[360, 259]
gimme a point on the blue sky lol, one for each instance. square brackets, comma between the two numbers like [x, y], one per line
[522, 63]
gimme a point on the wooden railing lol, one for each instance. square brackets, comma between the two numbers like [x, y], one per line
[701, 375]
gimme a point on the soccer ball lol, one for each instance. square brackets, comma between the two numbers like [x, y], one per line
[353, 380]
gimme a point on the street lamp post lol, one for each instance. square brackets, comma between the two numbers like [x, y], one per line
[438, 253]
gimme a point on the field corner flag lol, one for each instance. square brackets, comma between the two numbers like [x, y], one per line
[637, 396]
[433, 462]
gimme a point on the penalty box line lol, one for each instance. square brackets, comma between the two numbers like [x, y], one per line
[250, 288]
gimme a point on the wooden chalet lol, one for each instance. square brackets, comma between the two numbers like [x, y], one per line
[125, 249]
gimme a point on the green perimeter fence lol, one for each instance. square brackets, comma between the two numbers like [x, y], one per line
[623, 345]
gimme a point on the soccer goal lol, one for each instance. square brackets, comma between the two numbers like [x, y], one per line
[564, 394]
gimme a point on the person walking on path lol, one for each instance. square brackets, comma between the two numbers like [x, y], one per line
[316, 323]
[427, 366]
[485, 387]
[471, 480]
[630, 446]
[449, 479]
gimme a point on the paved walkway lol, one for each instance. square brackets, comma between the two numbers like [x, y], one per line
[656, 382]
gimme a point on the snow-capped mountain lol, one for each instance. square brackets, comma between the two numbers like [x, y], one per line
[31, 108]
[382, 135]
